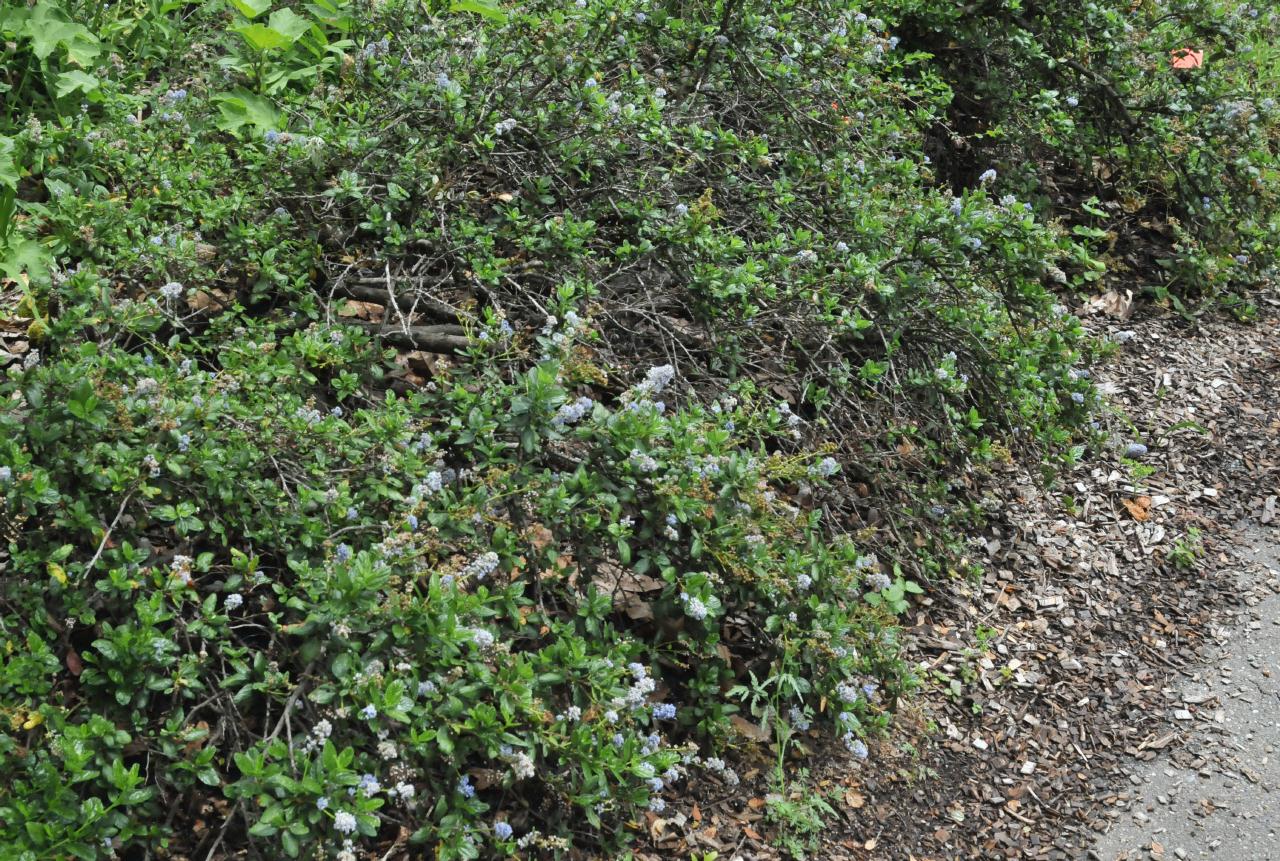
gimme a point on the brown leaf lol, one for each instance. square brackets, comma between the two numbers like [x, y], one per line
[854, 799]
[748, 729]
[1112, 304]
[74, 665]
[539, 536]
[1140, 508]
[361, 310]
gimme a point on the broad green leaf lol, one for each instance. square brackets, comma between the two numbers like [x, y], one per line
[47, 30]
[289, 24]
[485, 8]
[262, 37]
[76, 81]
[244, 108]
[251, 8]
[8, 170]
[25, 257]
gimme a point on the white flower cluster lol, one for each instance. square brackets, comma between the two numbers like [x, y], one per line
[717, 765]
[180, 569]
[480, 567]
[642, 461]
[572, 413]
[879, 581]
[639, 690]
[693, 607]
[657, 379]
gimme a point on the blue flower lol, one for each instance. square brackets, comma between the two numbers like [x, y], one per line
[465, 787]
[502, 830]
[665, 711]
[322, 802]
[827, 467]
[344, 822]
[369, 712]
[343, 553]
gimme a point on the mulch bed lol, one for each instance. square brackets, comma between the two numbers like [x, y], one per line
[1062, 654]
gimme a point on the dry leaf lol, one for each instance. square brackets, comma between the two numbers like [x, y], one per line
[361, 310]
[748, 729]
[854, 799]
[1112, 303]
[1140, 508]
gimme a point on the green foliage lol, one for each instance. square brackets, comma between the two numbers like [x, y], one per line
[726, 333]
[1179, 164]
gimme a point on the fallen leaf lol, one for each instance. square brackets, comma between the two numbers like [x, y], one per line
[748, 729]
[361, 310]
[1140, 508]
[1112, 303]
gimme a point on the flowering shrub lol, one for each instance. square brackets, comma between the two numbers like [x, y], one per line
[425, 613]
[1084, 102]
[712, 323]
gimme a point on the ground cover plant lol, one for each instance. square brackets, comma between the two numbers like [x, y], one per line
[451, 425]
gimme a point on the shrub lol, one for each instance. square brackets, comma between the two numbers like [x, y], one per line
[708, 331]
[1081, 106]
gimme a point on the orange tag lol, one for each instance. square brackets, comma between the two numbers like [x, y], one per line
[1186, 58]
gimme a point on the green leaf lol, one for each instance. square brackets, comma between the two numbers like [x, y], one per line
[243, 108]
[251, 8]
[290, 844]
[261, 37]
[8, 169]
[76, 81]
[485, 8]
[289, 24]
[47, 31]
